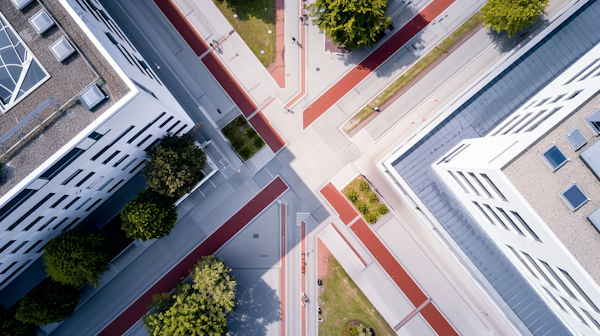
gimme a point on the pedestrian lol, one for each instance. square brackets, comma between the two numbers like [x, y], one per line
[294, 40]
[376, 109]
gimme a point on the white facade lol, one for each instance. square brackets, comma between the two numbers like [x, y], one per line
[101, 159]
[474, 171]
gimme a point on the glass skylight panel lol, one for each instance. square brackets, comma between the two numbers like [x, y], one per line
[574, 197]
[594, 121]
[20, 4]
[62, 49]
[554, 157]
[41, 22]
[92, 96]
[575, 139]
[20, 71]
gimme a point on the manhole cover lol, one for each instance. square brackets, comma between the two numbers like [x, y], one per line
[255, 236]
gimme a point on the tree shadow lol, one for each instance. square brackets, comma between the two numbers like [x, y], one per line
[257, 305]
[263, 10]
[504, 44]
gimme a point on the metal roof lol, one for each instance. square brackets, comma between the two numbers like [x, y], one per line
[477, 117]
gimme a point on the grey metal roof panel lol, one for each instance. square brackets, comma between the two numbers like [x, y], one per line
[477, 117]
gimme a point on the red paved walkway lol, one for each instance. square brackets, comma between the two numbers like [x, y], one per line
[209, 246]
[369, 64]
[283, 292]
[221, 74]
[277, 69]
[339, 202]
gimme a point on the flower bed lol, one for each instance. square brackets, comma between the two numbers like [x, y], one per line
[243, 137]
[365, 200]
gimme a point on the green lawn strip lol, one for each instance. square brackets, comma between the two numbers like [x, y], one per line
[243, 137]
[365, 200]
[255, 19]
[412, 72]
[345, 302]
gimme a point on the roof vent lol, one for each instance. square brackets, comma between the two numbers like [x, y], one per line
[41, 22]
[20, 4]
[62, 49]
[92, 96]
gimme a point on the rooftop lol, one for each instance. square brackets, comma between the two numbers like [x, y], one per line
[541, 186]
[46, 113]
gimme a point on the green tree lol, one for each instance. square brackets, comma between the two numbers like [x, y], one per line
[48, 302]
[10, 326]
[512, 15]
[350, 23]
[198, 308]
[74, 258]
[175, 166]
[149, 215]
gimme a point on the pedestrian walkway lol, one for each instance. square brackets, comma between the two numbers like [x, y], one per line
[369, 64]
[277, 69]
[221, 74]
[209, 246]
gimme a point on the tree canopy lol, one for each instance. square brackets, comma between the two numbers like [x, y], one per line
[74, 258]
[149, 215]
[48, 302]
[175, 166]
[10, 326]
[351, 23]
[198, 308]
[512, 15]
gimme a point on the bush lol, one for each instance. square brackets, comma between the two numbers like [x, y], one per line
[10, 326]
[258, 142]
[362, 207]
[73, 258]
[352, 195]
[149, 215]
[382, 209]
[363, 185]
[358, 330]
[245, 152]
[372, 197]
[512, 15]
[48, 302]
[175, 166]
[198, 308]
[371, 217]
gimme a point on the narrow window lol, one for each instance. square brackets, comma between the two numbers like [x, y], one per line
[61, 164]
[468, 183]
[35, 221]
[128, 164]
[105, 184]
[95, 182]
[544, 118]
[34, 208]
[70, 178]
[112, 156]
[529, 121]
[94, 204]
[138, 166]
[557, 98]
[7, 245]
[481, 185]
[58, 202]
[522, 261]
[558, 279]
[115, 186]
[60, 223]
[511, 222]
[33, 246]
[145, 128]
[589, 316]
[111, 38]
[16, 202]
[47, 223]
[496, 216]
[574, 311]
[539, 269]
[15, 272]
[579, 290]
[484, 213]
[526, 226]
[82, 204]
[154, 143]
[70, 225]
[19, 247]
[95, 136]
[42, 248]
[121, 160]
[181, 129]
[112, 143]
[489, 181]
[458, 181]
[9, 267]
[173, 126]
[71, 203]
[145, 139]
[574, 94]
[83, 180]
[165, 122]
[554, 298]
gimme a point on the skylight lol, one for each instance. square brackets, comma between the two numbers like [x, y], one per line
[20, 71]
[575, 139]
[554, 157]
[574, 197]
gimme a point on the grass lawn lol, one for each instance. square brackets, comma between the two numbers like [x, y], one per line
[255, 19]
[365, 200]
[344, 302]
[243, 137]
[412, 72]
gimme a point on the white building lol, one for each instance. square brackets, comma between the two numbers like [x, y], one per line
[85, 106]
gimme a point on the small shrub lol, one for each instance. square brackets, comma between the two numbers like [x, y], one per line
[363, 185]
[258, 143]
[371, 217]
[382, 209]
[240, 121]
[250, 133]
[362, 207]
[237, 141]
[357, 330]
[372, 197]
[352, 195]
[245, 152]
